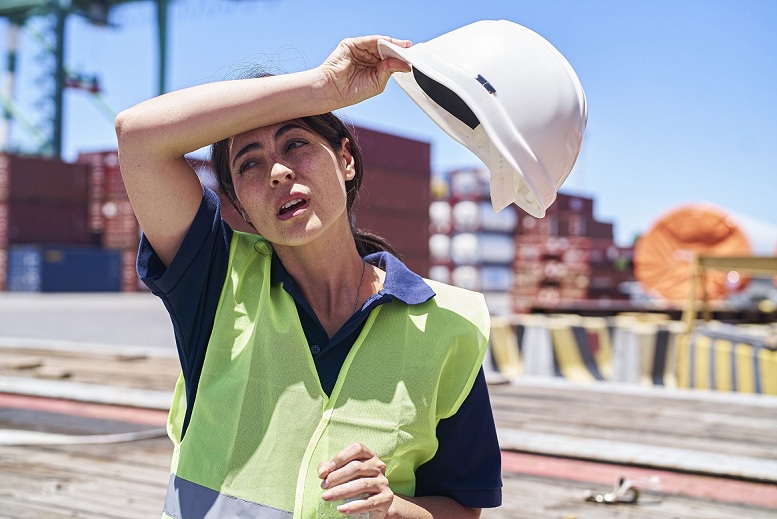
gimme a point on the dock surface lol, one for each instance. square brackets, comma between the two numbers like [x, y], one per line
[82, 431]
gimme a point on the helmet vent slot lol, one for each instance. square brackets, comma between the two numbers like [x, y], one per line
[446, 99]
[488, 86]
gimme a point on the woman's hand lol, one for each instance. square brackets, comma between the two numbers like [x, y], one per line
[357, 472]
[356, 70]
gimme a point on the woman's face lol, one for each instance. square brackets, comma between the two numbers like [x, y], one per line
[290, 183]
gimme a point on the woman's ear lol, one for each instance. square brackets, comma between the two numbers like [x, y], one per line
[347, 157]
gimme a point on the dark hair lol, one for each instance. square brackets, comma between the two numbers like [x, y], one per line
[332, 129]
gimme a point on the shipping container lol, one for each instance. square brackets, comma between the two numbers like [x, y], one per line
[496, 278]
[408, 233]
[469, 184]
[36, 179]
[3, 268]
[574, 204]
[600, 230]
[384, 150]
[466, 216]
[129, 277]
[24, 268]
[569, 295]
[31, 222]
[440, 273]
[471, 216]
[577, 278]
[440, 218]
[465, 249]
[528, 274]
[385, 188]
[440, 190]
[482, 248]
[504, 221]
[66, 269]
[3, 225]
[466, 277]
[529, 225]
[440, 248]
[120, 229]
[498, 303]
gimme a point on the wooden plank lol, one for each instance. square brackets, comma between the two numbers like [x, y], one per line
[544, 498]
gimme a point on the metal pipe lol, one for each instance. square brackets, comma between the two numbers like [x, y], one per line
[59, 78]
[161, 14]
[8, 84]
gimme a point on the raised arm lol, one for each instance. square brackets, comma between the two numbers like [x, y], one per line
[155, 135]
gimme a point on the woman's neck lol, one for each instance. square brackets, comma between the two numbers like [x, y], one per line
[333, 278]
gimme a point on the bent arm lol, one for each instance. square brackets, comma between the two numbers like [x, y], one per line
[155, 135]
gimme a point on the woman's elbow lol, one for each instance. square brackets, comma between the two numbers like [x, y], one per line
[123, 124]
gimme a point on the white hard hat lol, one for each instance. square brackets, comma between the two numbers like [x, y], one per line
[509, 96]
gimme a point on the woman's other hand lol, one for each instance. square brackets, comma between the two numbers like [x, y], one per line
[356, 70]
[356, 472]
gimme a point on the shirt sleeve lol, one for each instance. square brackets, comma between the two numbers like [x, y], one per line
[467, 466]
[190, 287]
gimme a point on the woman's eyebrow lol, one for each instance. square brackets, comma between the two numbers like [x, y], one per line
[251, 146]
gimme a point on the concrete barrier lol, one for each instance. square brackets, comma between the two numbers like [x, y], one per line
[723, 357]
[632, 349]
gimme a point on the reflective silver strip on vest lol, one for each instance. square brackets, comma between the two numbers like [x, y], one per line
[187, 500]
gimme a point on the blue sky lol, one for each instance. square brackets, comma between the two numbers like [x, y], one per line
[681, 94]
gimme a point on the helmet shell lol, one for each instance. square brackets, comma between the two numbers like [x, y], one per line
[510, 97]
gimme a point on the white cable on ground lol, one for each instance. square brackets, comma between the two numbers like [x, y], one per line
[20, 437]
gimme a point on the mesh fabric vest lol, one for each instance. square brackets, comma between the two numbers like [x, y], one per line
[261, 423]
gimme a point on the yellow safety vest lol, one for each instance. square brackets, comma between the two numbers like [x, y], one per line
[261, 424]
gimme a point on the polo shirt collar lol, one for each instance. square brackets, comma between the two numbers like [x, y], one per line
[401, 283]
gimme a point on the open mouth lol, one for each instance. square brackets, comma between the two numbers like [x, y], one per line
[292, 205]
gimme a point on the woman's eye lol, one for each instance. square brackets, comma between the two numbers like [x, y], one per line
[245, 166]
[295, 143]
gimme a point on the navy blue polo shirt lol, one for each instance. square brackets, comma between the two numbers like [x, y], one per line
[467, 464]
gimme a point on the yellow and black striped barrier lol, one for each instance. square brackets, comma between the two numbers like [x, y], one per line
[633, 350]
[727, 358]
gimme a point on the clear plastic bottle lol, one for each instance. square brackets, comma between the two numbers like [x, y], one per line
[328, 510]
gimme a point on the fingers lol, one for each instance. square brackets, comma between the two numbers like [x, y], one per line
[361, 496]
[357, 474]
[353, 452]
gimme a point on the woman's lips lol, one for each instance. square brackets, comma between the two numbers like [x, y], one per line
[292, 208]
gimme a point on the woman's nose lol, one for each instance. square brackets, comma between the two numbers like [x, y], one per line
[280, 173]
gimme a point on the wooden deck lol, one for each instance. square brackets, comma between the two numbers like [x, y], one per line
[692, 455]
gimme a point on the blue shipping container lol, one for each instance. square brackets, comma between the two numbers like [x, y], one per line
[24, 268]
[64, 269]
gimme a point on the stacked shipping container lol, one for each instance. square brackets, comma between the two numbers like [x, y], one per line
[394, 198]
[48, 204]
[565, 258]
[44, 223]
[568, 257]
[111, 219]
[471, 246]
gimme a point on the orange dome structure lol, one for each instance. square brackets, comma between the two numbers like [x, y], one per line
[663, 257]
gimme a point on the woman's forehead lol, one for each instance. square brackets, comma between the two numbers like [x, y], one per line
[266, 133]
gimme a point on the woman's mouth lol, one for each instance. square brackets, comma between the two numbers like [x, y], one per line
[291, 207]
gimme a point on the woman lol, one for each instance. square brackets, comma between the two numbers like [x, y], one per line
[315, 382]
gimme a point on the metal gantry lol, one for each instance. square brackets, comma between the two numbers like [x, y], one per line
[18, 12]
